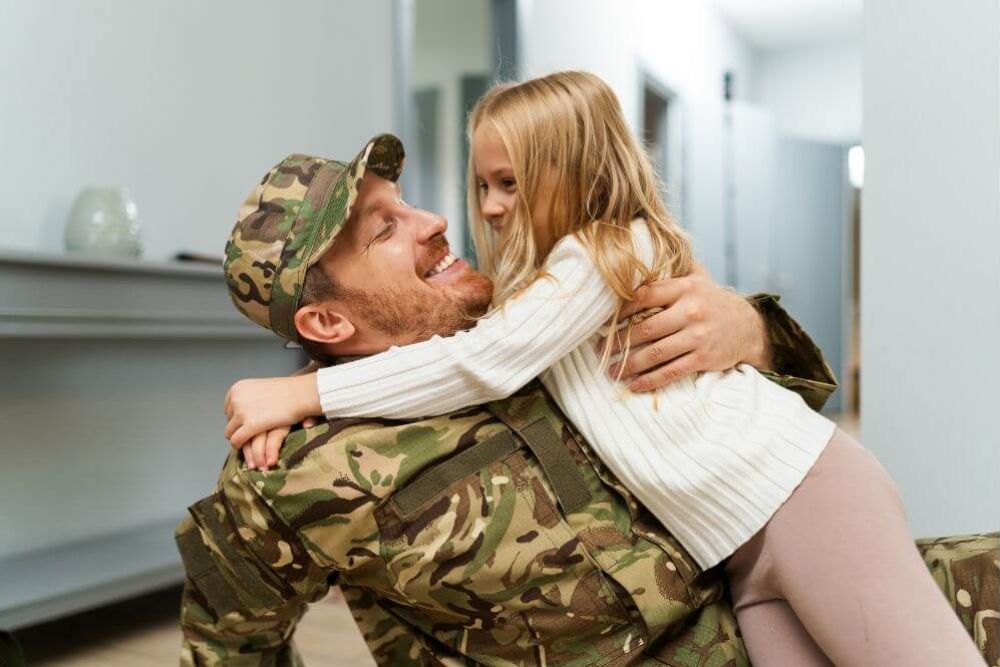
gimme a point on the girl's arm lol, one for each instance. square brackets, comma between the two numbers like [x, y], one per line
[502, 353]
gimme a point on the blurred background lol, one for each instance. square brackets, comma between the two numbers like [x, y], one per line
[842, 153]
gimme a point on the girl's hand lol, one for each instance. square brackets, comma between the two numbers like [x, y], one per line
[254, 407]
[262, 451]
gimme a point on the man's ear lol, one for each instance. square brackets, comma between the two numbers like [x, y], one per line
[323, 323]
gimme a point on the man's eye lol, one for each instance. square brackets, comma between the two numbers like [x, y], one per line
[390, 227]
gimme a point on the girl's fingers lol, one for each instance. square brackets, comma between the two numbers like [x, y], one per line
[259, 455]
[228, 404]
[231, 426]
[248, 456]
[309, 422]
[240, 436]
[275, 439]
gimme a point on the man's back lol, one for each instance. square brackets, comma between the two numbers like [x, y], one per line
[490, 535]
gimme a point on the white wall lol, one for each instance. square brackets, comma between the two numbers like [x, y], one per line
[930, 257]
[451, 40]
[185, 103]
[685, 45]
[814, 92]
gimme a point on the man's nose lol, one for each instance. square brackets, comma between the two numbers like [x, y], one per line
[430, 225]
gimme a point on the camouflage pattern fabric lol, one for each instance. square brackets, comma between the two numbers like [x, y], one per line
[479, 562]
[251, 570]
[799, 363]
[289, 221]
[967, 569]
[490, 536]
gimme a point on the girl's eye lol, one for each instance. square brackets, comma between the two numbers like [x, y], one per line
[509, 183]
[482, 186]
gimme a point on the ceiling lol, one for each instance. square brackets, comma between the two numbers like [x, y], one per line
[770, 25]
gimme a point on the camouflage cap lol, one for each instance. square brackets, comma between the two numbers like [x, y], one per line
[289, 221]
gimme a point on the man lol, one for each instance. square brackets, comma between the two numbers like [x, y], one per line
[488, 535]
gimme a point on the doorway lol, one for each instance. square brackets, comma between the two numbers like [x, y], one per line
[661, 132]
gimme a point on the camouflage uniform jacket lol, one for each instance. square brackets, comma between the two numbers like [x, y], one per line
[492, 535]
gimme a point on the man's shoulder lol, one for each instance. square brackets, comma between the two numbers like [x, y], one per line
[351, 461]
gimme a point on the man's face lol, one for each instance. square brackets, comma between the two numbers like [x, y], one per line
[400, 283]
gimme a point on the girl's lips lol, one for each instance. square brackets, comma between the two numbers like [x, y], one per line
[458, 265]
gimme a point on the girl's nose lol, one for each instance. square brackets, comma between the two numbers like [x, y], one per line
[493, 210]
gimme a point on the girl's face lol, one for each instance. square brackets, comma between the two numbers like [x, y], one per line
[498, 188]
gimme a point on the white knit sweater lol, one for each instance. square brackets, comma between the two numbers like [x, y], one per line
[712, 456]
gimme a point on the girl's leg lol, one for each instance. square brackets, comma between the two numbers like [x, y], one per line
[774, 637]
[839, 551]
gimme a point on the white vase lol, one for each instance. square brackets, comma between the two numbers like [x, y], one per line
[104, 221]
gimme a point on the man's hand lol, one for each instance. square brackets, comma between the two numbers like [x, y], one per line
[259, 412]
[703, 327]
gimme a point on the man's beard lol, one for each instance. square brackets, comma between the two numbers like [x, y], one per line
[409, 316]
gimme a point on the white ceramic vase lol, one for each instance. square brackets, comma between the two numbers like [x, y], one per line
[104, 221]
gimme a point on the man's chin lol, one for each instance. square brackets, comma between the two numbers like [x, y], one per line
[404, 315]
[475, 292]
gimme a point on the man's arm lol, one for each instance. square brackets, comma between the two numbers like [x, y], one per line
[247, 582]
[703, 326]
[791, 358]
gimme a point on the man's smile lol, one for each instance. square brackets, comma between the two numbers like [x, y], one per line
[447, 265]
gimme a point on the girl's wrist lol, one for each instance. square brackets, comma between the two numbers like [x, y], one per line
[308, 395]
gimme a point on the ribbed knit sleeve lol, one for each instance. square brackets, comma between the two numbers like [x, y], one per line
[502, 353]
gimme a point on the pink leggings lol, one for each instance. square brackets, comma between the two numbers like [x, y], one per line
[834, 577]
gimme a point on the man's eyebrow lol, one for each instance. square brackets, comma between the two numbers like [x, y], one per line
[368, 210]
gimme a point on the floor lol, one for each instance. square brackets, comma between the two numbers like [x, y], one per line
[143, 632]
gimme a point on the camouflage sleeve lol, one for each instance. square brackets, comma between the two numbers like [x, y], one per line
[797, 363]
[248, 580]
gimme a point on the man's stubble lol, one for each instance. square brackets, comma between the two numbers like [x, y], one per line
[409, 316]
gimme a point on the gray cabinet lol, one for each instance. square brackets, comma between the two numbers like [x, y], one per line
[112, 375]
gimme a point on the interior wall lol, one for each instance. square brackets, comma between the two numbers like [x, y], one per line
[185, 103]
[814, 92]
[687, 47]
[809, 245]
[104, 436]
[930, 242]
[451, 40]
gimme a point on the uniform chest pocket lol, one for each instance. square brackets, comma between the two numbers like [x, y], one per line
[480, 551]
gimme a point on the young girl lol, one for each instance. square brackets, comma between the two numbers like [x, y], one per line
[568, 222]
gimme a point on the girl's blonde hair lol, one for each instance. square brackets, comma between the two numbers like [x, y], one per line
[566, 131]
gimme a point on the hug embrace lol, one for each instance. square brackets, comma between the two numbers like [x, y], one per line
[496, 465]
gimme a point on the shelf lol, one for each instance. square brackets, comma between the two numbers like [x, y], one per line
[56, 296]
[47, 584]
